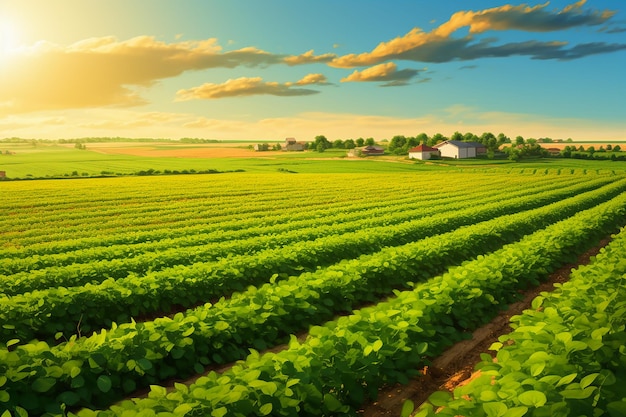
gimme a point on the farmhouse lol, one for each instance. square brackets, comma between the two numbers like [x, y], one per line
[422, 152]
[292, 145]
[372, 150]
[458, 149]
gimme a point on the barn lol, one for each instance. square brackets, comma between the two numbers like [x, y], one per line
[422, 152]
[458, 149]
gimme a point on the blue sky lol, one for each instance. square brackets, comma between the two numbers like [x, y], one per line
[267, 70]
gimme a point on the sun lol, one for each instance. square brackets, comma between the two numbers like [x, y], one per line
[8, 39]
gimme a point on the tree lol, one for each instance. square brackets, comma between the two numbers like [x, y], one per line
[519, 140]
[491, 143]
[470, 137]
[338, 144]
[422, 138]
[349, 144]
[457, 136]
[502, 139]
[370, 142]
[437, 138]
[321, 143]
[360, 142]
[617, 148]
[397, 143]
[411, 142]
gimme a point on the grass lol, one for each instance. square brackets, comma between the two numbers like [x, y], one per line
[56, 161]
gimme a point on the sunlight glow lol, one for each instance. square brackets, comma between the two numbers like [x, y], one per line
[8, 39]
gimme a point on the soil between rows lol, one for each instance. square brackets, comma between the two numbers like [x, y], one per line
[456, 365]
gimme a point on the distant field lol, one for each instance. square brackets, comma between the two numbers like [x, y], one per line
[24, 160]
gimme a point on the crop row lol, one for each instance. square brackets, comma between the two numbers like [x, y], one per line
[344, 216]
[344, 362]
[104, 228]
[43, 314]
[29, 225]
[86, 266]
[81, 201]
[67, 224]
[139, 354]
[206, 218]
[565, 356]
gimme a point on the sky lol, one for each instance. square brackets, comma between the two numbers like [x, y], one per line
[267, 70]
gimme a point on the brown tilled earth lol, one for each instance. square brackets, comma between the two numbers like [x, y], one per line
[179, 150]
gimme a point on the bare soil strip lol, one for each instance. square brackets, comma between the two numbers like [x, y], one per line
[456, 365]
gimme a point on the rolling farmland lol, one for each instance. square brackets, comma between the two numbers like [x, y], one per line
[113, 287]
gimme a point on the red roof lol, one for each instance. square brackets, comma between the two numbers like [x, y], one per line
[422, 148]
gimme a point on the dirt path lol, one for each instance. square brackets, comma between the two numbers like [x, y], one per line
[456, 364]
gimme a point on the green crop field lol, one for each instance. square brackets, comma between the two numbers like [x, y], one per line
[114, 287]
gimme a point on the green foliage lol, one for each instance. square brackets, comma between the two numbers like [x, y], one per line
[565, 355]
[306, 266]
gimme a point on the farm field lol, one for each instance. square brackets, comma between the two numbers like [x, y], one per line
[134, 295]
[54, 160]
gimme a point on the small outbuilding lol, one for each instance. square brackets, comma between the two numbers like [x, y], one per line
[458, 149]
[423, 152]
[373, 150]
[292, 145]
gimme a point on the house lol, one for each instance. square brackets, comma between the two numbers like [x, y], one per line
[372, 150]
[292, 145]
[458, 149]
[422, 152]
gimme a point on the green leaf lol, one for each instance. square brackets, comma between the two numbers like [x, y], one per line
[43, 384]
[487, 396]
[219, 412]
[495, 409]
[616, 408]
[69, 398]
[332, 403]
[12, 342]
[407, 408]
[104, 383]
[377, 345]
[516, 412]
[20, 412]
[440, 398]
[579, 394]
[182, 409]
[144, 364]
[221, 325]
[533, 398]
[586, 381]
[537, 368]
[265, 409]
[566, 379]
[4, 396]
[75, 371]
